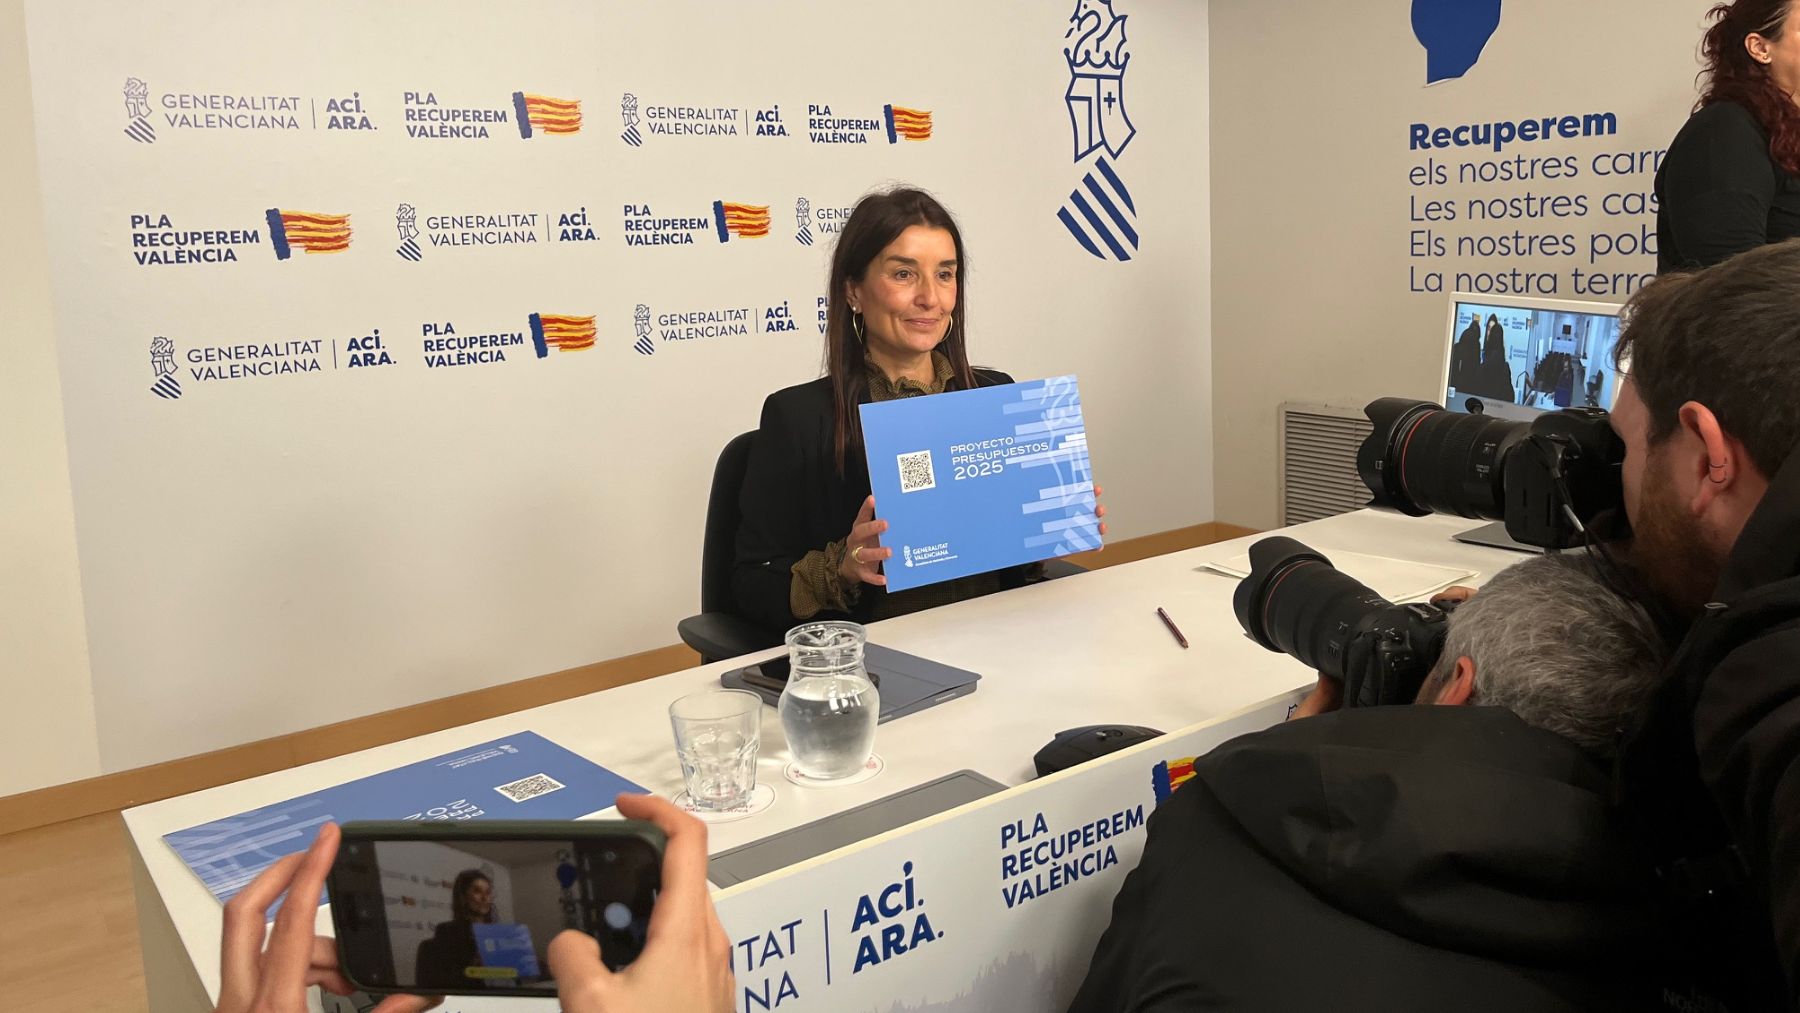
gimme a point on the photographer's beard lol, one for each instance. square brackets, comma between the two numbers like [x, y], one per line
[1669, 548]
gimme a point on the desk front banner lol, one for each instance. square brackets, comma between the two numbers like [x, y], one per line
[979, 480]
[994, 907]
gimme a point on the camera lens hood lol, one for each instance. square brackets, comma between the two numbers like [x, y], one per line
[1271, 561]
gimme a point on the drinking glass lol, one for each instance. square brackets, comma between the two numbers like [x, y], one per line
[716, 736]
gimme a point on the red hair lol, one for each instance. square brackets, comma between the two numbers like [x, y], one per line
[1732, 76]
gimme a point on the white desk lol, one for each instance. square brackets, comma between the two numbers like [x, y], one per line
[1063, 654]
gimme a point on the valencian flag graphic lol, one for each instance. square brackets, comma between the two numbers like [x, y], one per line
[551, 115]
[561, 332]
[912, 124]
[307, 230]
[1169, 775]
[746, 221]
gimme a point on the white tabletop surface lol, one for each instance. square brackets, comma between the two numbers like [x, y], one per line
[1078, 651]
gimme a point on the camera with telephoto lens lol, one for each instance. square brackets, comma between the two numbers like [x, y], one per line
[1549, 479]
[1294, 601]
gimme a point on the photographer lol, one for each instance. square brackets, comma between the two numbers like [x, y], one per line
[1710, 416]
[1413, 857]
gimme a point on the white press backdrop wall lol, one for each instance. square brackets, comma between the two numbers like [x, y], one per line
[43, 648]
[273, 552]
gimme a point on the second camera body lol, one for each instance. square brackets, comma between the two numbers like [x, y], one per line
[1549, 479]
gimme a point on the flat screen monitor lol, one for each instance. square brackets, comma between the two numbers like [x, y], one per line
[1515, 358]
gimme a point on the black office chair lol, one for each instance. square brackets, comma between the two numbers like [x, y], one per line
[718, 632]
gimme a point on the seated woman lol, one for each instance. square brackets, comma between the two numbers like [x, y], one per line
[808, 543]
[443, 960]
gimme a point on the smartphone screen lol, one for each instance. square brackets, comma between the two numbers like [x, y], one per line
[476, 915]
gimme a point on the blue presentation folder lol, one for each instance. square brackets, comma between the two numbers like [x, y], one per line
[977, 480]
[511, 778]
[507, 945]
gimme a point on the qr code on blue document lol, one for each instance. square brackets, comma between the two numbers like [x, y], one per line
[527, 788]
[915, 472]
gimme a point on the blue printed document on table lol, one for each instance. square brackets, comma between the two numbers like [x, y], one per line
[520, 777]
[977, 480]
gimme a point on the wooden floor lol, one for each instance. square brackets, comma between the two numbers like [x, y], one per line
[68, 926]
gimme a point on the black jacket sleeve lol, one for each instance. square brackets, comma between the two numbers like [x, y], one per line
[1718, 184]
[1132, 970]
[1747, 735]
[771, 530]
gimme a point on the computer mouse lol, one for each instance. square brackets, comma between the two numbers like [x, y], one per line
[1079, 745]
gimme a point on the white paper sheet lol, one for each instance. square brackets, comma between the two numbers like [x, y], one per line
[1393, 579]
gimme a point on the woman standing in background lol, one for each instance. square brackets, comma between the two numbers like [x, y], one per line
[1496, 371]
[1465, 358]
[1729, 182]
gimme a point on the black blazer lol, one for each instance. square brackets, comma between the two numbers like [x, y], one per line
[441, 960]
[1720, 193]
[794, 501]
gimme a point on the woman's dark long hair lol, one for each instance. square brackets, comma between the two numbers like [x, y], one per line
[459, 904]
[1732, 76]
[878, 220]
[1493, 348]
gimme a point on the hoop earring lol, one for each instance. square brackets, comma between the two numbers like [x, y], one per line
[951, 325]
[856, 327]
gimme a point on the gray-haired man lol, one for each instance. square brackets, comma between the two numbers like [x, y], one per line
[1426, 857]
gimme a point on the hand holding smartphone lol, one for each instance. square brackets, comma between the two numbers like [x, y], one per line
[684, 967]
[470, 908]
[274, 974]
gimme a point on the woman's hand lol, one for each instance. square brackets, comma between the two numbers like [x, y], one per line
[1100, 511]
[862, 549]
[274, 979]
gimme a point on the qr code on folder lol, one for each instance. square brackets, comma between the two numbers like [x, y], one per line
[527, 788]
[915, 472]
